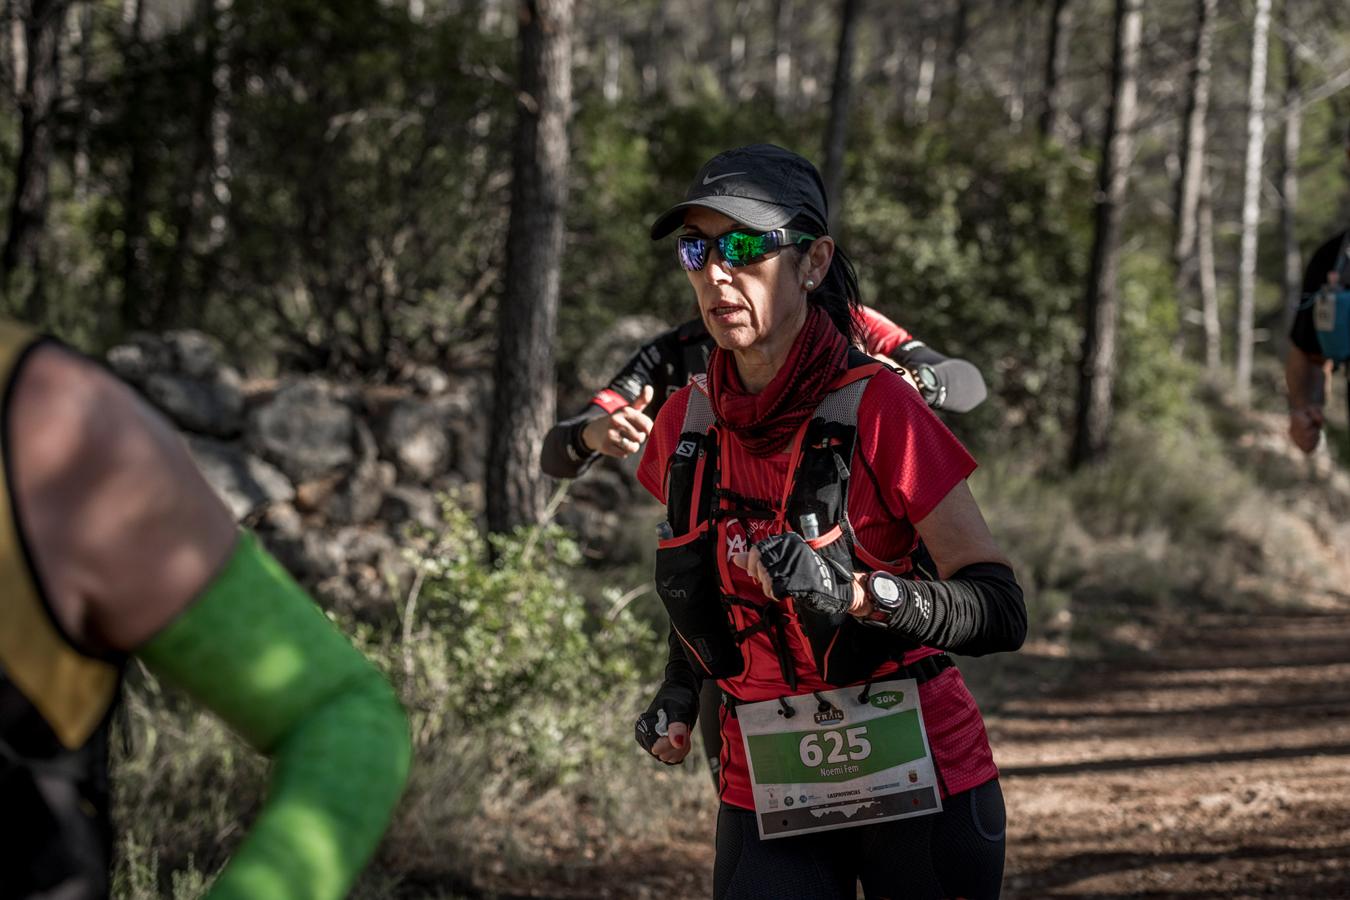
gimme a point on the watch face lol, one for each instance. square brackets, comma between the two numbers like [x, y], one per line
[927, 378]
[884, 590]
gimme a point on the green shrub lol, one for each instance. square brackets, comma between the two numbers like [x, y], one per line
[510, 649]
[519, 691]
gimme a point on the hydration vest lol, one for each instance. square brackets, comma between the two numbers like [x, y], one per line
[710, 621]
[1331, 310]
[55, 709]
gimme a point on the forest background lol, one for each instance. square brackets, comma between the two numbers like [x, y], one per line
[1105, 204]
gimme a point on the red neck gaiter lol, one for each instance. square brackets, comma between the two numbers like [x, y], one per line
[766, 421]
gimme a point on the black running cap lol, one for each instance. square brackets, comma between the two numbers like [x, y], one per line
[762, 186]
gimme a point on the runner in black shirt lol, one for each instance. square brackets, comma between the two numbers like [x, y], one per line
[1306, 370]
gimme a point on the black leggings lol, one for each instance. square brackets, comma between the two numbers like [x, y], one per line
[955, 853]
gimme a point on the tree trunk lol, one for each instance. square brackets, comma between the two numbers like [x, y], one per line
[923, 82]
[221, 125]
[736, 80]
[523, 408]
[1293, 128]
[1102, 301]
[1194, 133]
[489, 16]
[1017, 92]
[15, 64]
[1251, 202]
[191, 194]
[42, 24]
[1056, 58]
[836, 132]
[782, 56]
[950, 80]
[84, 25]
[135, 204]
[1209, 281]
[612, 88]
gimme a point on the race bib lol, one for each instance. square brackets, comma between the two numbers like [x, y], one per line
[838, 762]
[1324, 311]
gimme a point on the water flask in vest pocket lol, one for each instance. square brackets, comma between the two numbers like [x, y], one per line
[686, 581]
[1331, 320]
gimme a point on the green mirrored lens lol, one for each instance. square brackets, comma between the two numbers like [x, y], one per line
[740, 248]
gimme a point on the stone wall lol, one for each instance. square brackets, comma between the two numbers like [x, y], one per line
[328, 474]
[338, 479]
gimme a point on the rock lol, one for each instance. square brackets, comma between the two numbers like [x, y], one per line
[465, 410]
[368, 585]
[607, 353]
[362, 545]
[283, 520]
[139, 357]
[312, 496]
[194, 354]
[304, 430]
[311, 556]
[430, 381]
[406, 503]
[214, 407]
[415, 436]
[467, 494]
[599, 510]
[244, 482]
[357, 498]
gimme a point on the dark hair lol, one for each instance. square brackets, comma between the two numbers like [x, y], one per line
[838, 292]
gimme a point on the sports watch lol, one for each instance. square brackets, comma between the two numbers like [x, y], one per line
[934, 392]
[883, 589]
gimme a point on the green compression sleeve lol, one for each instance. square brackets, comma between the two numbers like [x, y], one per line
[256, 651]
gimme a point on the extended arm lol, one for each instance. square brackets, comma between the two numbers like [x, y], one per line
[565, 453]
[977, 607]
[137, 554]
[617, 420]
[945, 382]
[1306, 375]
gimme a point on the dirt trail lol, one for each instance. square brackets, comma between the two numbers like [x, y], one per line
[1217, 765]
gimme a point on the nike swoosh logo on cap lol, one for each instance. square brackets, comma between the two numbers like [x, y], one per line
[709, 179]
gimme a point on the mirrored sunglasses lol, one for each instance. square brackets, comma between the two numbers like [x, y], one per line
[737, 248]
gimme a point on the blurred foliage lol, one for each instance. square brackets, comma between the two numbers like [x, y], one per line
[516, 686]
[323, 185]
[985, 258]
[510, 648]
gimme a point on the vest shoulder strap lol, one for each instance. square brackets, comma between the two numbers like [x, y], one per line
[698, 414]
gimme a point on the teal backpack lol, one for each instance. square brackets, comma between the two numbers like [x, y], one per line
[1331, 310]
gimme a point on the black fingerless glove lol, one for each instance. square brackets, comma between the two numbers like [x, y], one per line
[677, 698]
[802, 573]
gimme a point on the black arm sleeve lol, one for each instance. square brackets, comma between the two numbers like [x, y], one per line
[978, 610]
[563, 455]
[961, 387]
[917, 353]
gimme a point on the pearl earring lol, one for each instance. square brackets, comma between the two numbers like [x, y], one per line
[810, 283]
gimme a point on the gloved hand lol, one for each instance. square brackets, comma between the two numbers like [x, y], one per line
[663, 730]
[792, 568]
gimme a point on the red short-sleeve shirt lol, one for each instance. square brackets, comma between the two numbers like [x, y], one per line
[905, 463]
